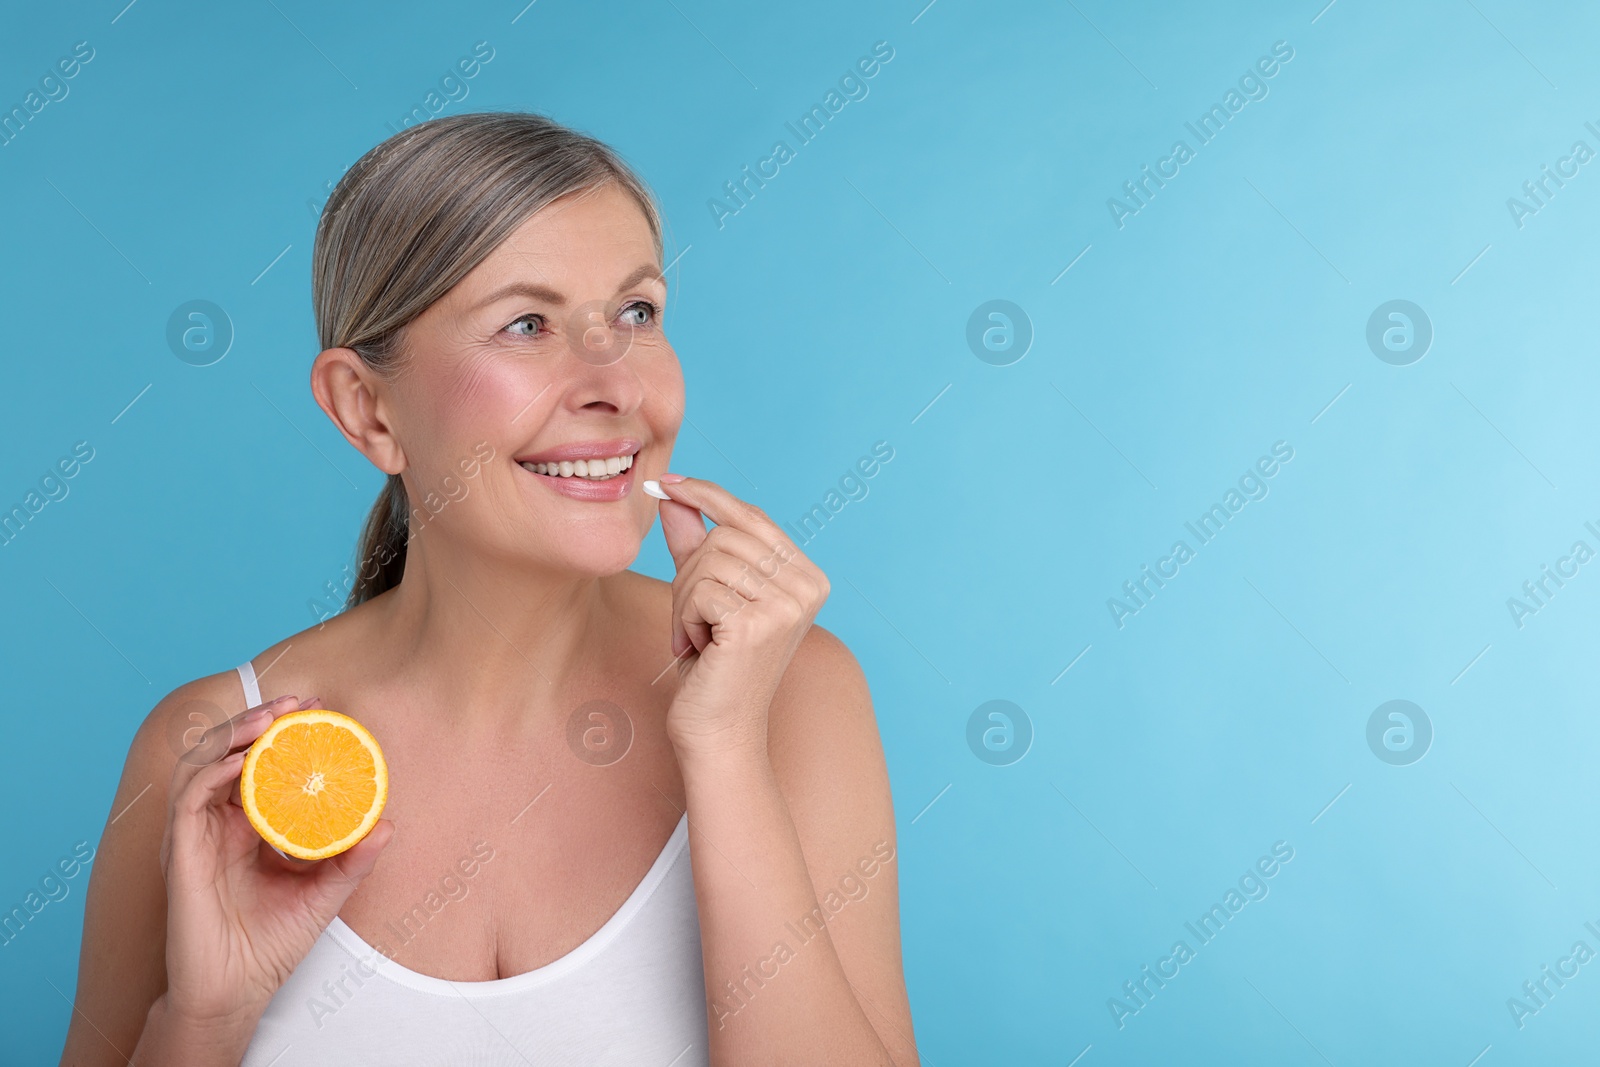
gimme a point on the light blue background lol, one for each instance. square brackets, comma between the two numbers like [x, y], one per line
[826, 316]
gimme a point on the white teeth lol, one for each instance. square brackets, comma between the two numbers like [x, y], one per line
[593, 469]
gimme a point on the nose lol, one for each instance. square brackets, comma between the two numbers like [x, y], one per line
[601, 375]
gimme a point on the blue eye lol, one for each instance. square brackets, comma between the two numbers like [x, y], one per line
[536, 321]
[645, 307]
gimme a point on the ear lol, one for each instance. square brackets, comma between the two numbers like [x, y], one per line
[353, 396]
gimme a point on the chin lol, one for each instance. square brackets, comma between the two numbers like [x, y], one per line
[598, 555]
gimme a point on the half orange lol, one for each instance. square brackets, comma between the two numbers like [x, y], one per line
[314, 784]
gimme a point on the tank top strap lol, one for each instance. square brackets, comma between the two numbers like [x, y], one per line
[247, 678]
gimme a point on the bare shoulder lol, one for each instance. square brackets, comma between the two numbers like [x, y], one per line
[178, 719]
[174, 727]
[172, 730]
[823, 701]
[136, 819]
[822, 737]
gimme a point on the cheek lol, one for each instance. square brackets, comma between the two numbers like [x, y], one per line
[452, 411]
[483, 392]
[664, 392]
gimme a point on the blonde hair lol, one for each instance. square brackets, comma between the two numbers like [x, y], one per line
[412, 218]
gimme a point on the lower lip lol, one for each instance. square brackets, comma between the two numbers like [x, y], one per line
[603, 491]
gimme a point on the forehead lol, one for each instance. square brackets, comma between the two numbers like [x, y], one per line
[597, 235]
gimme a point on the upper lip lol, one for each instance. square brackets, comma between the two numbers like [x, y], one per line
[614, 446]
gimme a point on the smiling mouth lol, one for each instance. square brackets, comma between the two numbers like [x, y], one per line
[594, 470]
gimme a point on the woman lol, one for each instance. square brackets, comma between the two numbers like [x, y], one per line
[628, 822]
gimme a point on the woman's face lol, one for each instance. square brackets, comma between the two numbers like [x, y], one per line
[550, 350]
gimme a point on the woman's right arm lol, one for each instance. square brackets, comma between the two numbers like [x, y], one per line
[192, 922]
[122, 962]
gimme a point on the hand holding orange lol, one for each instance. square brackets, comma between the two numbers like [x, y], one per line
[314, 784]
[311, 782]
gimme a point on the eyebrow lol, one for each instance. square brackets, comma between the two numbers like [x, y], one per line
[551, 296]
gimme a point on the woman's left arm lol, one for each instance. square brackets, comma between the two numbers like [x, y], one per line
[791, 824]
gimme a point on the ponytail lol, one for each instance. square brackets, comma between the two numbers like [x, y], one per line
[382, 551]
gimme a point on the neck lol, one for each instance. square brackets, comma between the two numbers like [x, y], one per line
[494, 638]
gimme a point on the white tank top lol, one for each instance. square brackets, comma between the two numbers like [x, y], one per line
[633, 993]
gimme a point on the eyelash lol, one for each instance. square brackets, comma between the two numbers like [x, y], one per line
[649, 305]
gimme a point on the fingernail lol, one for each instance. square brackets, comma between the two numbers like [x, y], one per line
[674, 479]
[653, 488]
[310, 702]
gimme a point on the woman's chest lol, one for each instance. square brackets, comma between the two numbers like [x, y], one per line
[499, 865]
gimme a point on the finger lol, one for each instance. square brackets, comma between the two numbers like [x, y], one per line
[186, 820]
[749, 565]
[722, 507]
[210, 784]
[707, 604]
[705, 566]
[337, 877]
[804, 579]
[683, 528]
[215, 745]
[719, 567]
[780, 563]
[227, 736]
[690, 572]
[231, 736]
